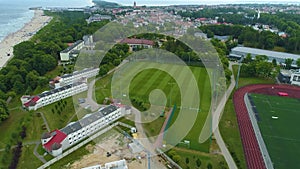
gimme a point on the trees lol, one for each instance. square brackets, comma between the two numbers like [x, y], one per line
[187, 160]
[4, 113]
[210, 34]
[288, 63]
[198, 162]
[209, 166]
[298, 63]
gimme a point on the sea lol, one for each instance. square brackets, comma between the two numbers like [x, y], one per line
[14, 14]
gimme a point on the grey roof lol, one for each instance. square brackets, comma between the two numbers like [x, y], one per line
[47, 93]
[77, 72]
[255, 51]
[72, 46]
[74, 126]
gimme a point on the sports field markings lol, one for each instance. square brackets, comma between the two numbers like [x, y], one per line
[282, 138]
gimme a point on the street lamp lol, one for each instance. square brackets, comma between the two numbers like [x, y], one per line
[171, 83]
[238, 74]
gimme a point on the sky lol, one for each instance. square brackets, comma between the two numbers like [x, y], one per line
[210, 2]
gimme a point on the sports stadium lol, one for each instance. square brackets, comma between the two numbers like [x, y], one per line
[268, 117]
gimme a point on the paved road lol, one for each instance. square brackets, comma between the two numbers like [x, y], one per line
[230, 162]
[45, 121]
[40, 157]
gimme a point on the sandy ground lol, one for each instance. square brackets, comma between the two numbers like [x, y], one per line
[6, 46]
[116, 144]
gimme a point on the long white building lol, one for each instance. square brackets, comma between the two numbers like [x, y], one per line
[66, 55]
[295, 78]
[48, 97]
[280, 57]
[121, 164]
[58, 140]
[74, 77]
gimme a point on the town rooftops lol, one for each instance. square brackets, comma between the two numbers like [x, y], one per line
[71, 47]
[137, 41]
[53, 91]
[57, 138]
[255, 51]
[88, 119]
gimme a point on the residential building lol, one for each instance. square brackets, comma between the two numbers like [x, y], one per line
[121, 164]
[98, 18]
[57, 141]
[295, 78]
[48, 97]
[67, 79]
[72, 51]
[284, 76]
[135, 44]
[280, 57]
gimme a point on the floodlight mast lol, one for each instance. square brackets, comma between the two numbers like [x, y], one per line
[238, 74]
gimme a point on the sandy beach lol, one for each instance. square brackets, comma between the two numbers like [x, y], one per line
[38, 21]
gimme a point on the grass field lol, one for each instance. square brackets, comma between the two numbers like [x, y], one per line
[281, 135]
[150, 79]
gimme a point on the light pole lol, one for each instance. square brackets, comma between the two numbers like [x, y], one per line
[171, 83]
[238, 74]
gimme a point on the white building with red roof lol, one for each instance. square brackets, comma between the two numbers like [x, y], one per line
[54, 95]
[57, 141]
[135, 44]
[76, 76]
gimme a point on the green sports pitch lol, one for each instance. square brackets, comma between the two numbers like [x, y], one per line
[146, 81]
[281, 135]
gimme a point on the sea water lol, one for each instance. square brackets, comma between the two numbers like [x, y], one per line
[14, 14]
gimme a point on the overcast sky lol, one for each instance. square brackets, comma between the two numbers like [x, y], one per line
[210, 2]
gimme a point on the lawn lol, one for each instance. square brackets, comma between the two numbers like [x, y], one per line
[281, 135]
[27, 159]
[189, 159]
[148, 80]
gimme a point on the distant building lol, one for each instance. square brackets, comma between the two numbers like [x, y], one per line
[57, 141]
[71, 51]
[221, 38]
[121, 164]
[284, 76]
[295, 78]
[98, 18]
[280, 57]
[48, 97]
[135, 44]
[74, 77]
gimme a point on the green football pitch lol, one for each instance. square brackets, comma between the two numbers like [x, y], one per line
[281, 135]
[148, 80]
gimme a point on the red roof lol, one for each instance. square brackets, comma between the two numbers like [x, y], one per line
[32, 101]
[58, 137]
[137, 41]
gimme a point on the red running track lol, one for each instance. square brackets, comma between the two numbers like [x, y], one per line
[252, 152]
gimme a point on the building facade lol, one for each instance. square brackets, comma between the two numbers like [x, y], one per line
[48, 97]
[74, 77]
[121, 164]
[295, 78]
[135, 44]
[239, 52]
[58, 140]
[67, 54]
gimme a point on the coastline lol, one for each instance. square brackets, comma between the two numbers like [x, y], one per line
[38, 21]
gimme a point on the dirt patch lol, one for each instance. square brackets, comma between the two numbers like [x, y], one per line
[116, 145]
